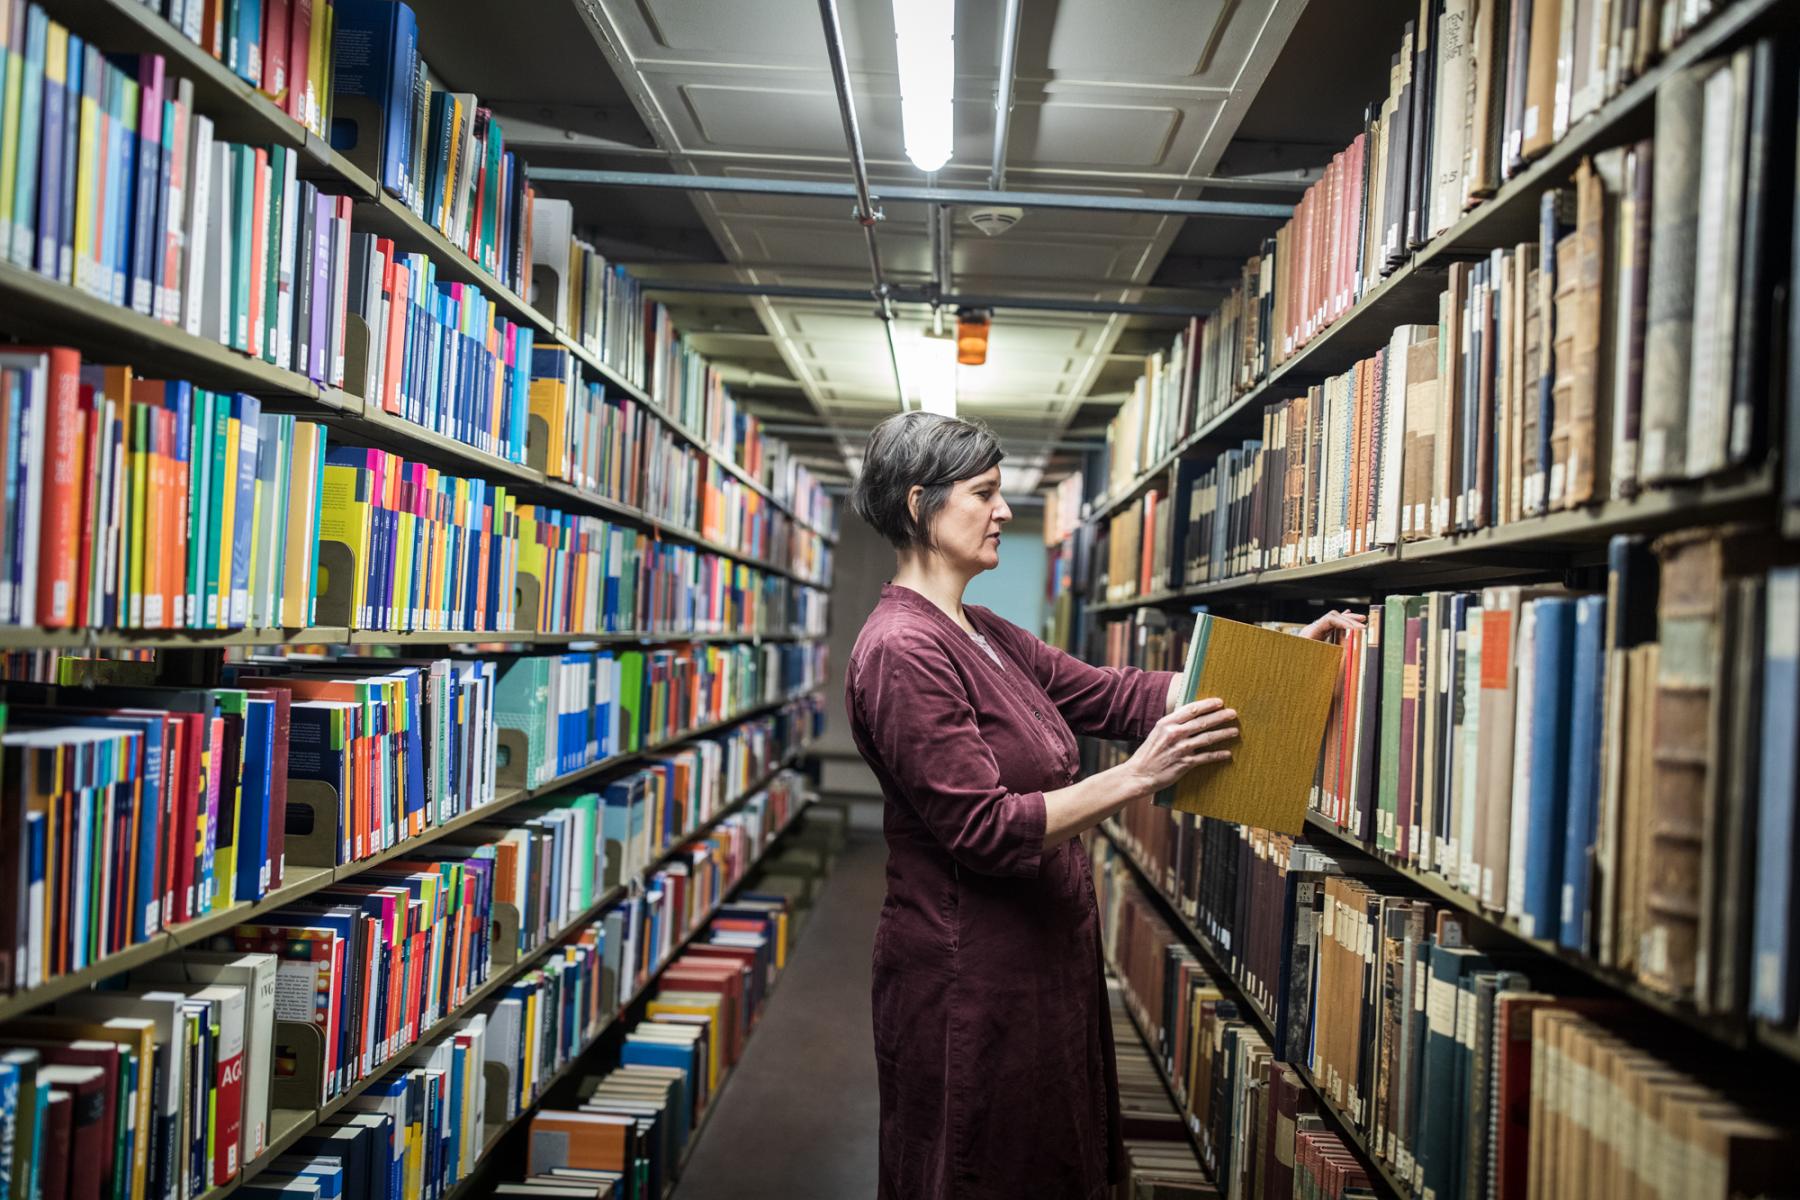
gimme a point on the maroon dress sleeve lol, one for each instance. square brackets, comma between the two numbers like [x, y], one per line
[1105, 702]
[920, 721]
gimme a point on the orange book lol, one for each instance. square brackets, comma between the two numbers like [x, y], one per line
[586, 1141]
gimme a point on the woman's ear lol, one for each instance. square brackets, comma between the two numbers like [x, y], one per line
[912, 500]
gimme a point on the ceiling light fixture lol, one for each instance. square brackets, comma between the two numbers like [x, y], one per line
[934, 373]
[925, 40]
[972, 326]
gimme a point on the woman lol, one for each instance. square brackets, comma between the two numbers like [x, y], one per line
[992, 1038]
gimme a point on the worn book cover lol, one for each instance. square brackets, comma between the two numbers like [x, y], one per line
[1281, 687]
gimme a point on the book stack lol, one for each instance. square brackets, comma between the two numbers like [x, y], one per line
[1442, 1059]
[438, 354]
[115, 186]
[596, 302]
[150, 504]
[366, 1148]
[441, 153]
[284, 48]
[1159, 412]
[411, 548]
[591, 438]
[797, 488]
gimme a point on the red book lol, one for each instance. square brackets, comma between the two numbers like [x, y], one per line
[228, 1078]
[92, 436]
[396, 294]
[59, 548]
[90, 1075]
[275, 29]
[300, 98]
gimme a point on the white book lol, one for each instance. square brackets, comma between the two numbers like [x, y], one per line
[1524, 656]
[288, 254]
[215, 287]
[1724, 130]
[196, 223]
[254, 974]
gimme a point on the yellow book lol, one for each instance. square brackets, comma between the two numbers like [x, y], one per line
[403, 570]
[297, 549]
[344, 519]
[1281, 687]
[318, 68]
[137, 440]
[14, 77]
[87, 192]
[704, 1004]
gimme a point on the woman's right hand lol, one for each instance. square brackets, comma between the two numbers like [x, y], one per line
[1191, 736]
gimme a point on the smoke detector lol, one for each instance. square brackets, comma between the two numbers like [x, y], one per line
[995, 221]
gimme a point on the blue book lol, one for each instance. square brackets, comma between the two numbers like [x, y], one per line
[61, 214]
[249, 410]
[328, 1172]
[9, 1127]
[1441, 1124]
[375, 56]
[1586, 729]
[1773, 993]
[252, 880]
[1552, 649]
[245, 35]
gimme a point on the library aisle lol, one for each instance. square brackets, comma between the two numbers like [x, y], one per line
[799, 1120]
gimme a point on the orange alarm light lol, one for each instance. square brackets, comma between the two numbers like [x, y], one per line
[972, 337]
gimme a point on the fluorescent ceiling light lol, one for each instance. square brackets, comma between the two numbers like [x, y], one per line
[925, 38]
[934, 373]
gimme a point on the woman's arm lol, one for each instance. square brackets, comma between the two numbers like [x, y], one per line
[1184, 739]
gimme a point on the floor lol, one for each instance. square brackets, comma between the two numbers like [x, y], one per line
[797, 1119]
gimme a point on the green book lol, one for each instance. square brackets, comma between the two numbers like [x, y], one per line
[273, 243]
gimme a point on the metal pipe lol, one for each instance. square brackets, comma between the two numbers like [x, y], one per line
[1003, 93]
[840, 78]
[920, 195]
[915, 295]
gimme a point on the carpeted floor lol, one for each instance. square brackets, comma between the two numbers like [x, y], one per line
[797, 1119]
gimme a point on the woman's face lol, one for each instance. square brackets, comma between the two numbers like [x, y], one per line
[967, 529]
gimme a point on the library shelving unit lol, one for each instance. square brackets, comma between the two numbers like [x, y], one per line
[47, 310]
[1567, 545]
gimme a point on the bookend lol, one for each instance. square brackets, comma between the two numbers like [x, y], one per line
[358, 378]
[313, 833]
[512, 760]
[527, 598]
[499, 1092]
[298, 1080]
[337, 568]
[504, 939]
[537, 443]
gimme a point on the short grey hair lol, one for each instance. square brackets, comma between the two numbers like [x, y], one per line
[922, 449]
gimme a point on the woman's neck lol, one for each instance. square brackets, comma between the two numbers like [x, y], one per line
[932, 578]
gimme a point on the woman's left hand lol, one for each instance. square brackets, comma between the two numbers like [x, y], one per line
[1334, 622]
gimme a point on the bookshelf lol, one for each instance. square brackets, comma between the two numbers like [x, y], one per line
[54, 313]
[1706, 1029]
[1218, 963]
[1409, 294]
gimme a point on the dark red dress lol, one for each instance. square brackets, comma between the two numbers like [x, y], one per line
[992, 1039]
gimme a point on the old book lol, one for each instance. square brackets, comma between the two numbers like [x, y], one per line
[1281, 688]
[1669, 316]
[1639, 771]
[1450, 113]
[1487, 99]
[1629, 286]
[1725, 926]
[1420, 438]
[1766, 159]
[1563, 371]
[1597, 184]
[1719, 226]
[1685, 763]
[1538, 122]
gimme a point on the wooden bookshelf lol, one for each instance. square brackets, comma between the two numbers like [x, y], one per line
[1216, 961]
[1409, 294]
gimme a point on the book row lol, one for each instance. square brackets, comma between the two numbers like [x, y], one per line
[596, 302]
[566, 712]
[1545, 753]
[164, 1087]
[113, 184]
[149, 504]
[1159, 1158]
[129, 809]
[284, 48]
[1458, 1072]
[1640, 313]
[626, 1135]
[440, 152]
